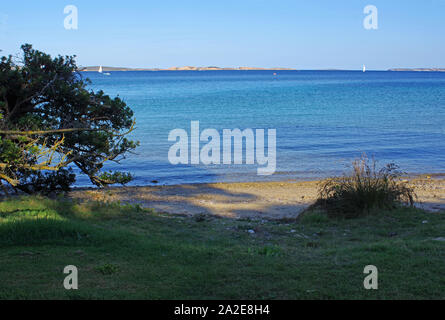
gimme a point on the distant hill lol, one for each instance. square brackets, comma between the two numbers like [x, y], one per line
[187, 68]
[105, 69]
[419, 69]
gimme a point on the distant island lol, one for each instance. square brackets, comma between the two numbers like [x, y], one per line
[187, 68]
[419, 69]
[191, 68]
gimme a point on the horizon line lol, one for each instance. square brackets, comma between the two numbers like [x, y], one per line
[95, 68]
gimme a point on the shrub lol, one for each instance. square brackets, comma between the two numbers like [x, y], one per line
[364, 189]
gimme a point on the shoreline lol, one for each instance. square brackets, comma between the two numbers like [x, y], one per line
[272, 200]
[408, 176]
[189, 68]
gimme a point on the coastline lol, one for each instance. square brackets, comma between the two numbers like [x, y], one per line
[272, 200]
[188, 68]
[192, 68]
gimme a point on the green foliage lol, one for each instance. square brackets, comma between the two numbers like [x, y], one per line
[48, 182]
[49, 119]
[117, 177]
[107, 269]
[364, 190]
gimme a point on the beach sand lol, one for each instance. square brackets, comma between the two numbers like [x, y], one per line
[257, 200]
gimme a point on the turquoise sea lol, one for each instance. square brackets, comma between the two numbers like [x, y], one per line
[323, 119]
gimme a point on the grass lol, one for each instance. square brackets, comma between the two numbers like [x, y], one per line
[125, 252]
[366, 188]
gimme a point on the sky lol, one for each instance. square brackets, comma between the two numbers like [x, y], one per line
[301, 34]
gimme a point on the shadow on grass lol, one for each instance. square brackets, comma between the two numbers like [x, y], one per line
[40, 221]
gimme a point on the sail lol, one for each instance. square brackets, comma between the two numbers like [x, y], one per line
[364, 68]
[100, 69]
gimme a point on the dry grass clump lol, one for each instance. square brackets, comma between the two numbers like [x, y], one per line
[366, 188]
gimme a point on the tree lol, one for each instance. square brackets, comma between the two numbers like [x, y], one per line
[49, 120]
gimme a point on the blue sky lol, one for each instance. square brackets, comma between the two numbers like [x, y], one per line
[302, 34]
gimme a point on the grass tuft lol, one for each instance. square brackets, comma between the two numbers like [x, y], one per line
[107, 269]
[365, 190]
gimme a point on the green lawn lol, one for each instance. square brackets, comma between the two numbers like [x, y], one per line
[125, 252]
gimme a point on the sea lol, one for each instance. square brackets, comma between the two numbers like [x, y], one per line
[323, 120]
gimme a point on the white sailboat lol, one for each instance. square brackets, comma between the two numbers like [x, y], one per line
[101, 70]
[364, 68]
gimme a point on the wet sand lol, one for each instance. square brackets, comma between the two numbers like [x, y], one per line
[259, 200]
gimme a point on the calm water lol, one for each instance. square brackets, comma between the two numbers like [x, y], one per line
[323, 119]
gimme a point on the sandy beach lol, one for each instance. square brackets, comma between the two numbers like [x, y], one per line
[257, 200]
